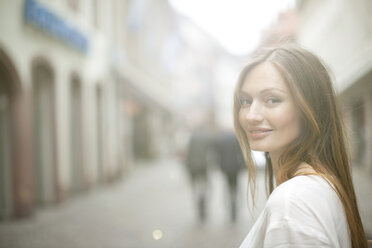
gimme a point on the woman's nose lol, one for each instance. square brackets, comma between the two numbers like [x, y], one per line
[254, 113]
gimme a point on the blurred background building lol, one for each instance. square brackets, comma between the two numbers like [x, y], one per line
[62, 112]
[87, 87]
[340, 32]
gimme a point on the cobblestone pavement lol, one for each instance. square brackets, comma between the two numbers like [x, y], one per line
[152, 196]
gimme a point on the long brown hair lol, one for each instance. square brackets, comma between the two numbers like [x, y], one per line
[321, 143]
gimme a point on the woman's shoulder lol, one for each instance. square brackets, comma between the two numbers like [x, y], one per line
[304, 210]
[310, 204]
[311, 185]
[305, 194]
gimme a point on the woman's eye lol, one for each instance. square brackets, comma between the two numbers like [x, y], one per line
[245, 102]
[272, 100]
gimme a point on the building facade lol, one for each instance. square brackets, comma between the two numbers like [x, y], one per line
[341, 33]
[80, 96]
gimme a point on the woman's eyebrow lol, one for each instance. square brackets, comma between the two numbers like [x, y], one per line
[246, 94]
[243, 94]
[272, 89]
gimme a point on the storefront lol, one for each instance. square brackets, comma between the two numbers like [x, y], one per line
[16, 194]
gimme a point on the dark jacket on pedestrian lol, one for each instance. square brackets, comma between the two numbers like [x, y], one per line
[198, 151]
[228, 153]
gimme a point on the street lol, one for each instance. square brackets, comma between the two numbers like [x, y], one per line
[153, 196]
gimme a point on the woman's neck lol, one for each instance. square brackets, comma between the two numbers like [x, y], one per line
[303, 168]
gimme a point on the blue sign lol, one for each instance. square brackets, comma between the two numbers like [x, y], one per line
[41, 17]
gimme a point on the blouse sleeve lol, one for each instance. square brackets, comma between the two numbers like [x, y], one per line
[289, 234]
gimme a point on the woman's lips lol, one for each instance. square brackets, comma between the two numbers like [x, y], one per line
[258, 133]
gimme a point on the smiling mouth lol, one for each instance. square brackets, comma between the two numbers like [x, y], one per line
[259, 134]
[259, 131]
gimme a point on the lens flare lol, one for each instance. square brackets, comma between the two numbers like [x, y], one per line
[157, 234]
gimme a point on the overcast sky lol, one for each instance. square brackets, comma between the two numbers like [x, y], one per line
[236, 24]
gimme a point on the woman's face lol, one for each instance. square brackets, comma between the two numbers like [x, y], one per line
[268, 113]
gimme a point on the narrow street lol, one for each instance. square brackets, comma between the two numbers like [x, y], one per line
[154, 196]
[88, 87]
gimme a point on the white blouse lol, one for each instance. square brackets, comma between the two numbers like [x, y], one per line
[301, 212]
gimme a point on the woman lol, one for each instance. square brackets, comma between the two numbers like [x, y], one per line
[285, 106]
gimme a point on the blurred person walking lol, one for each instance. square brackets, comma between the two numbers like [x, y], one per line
[198, 156]
[285, 105]
[230, 160]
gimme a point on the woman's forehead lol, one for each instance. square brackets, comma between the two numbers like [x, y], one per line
[263, 77]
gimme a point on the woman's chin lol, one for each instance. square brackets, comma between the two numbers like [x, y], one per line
[258, 149]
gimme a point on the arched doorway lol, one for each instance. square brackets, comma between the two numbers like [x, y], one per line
[44, 142]
[76, 129]
[15, 148]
